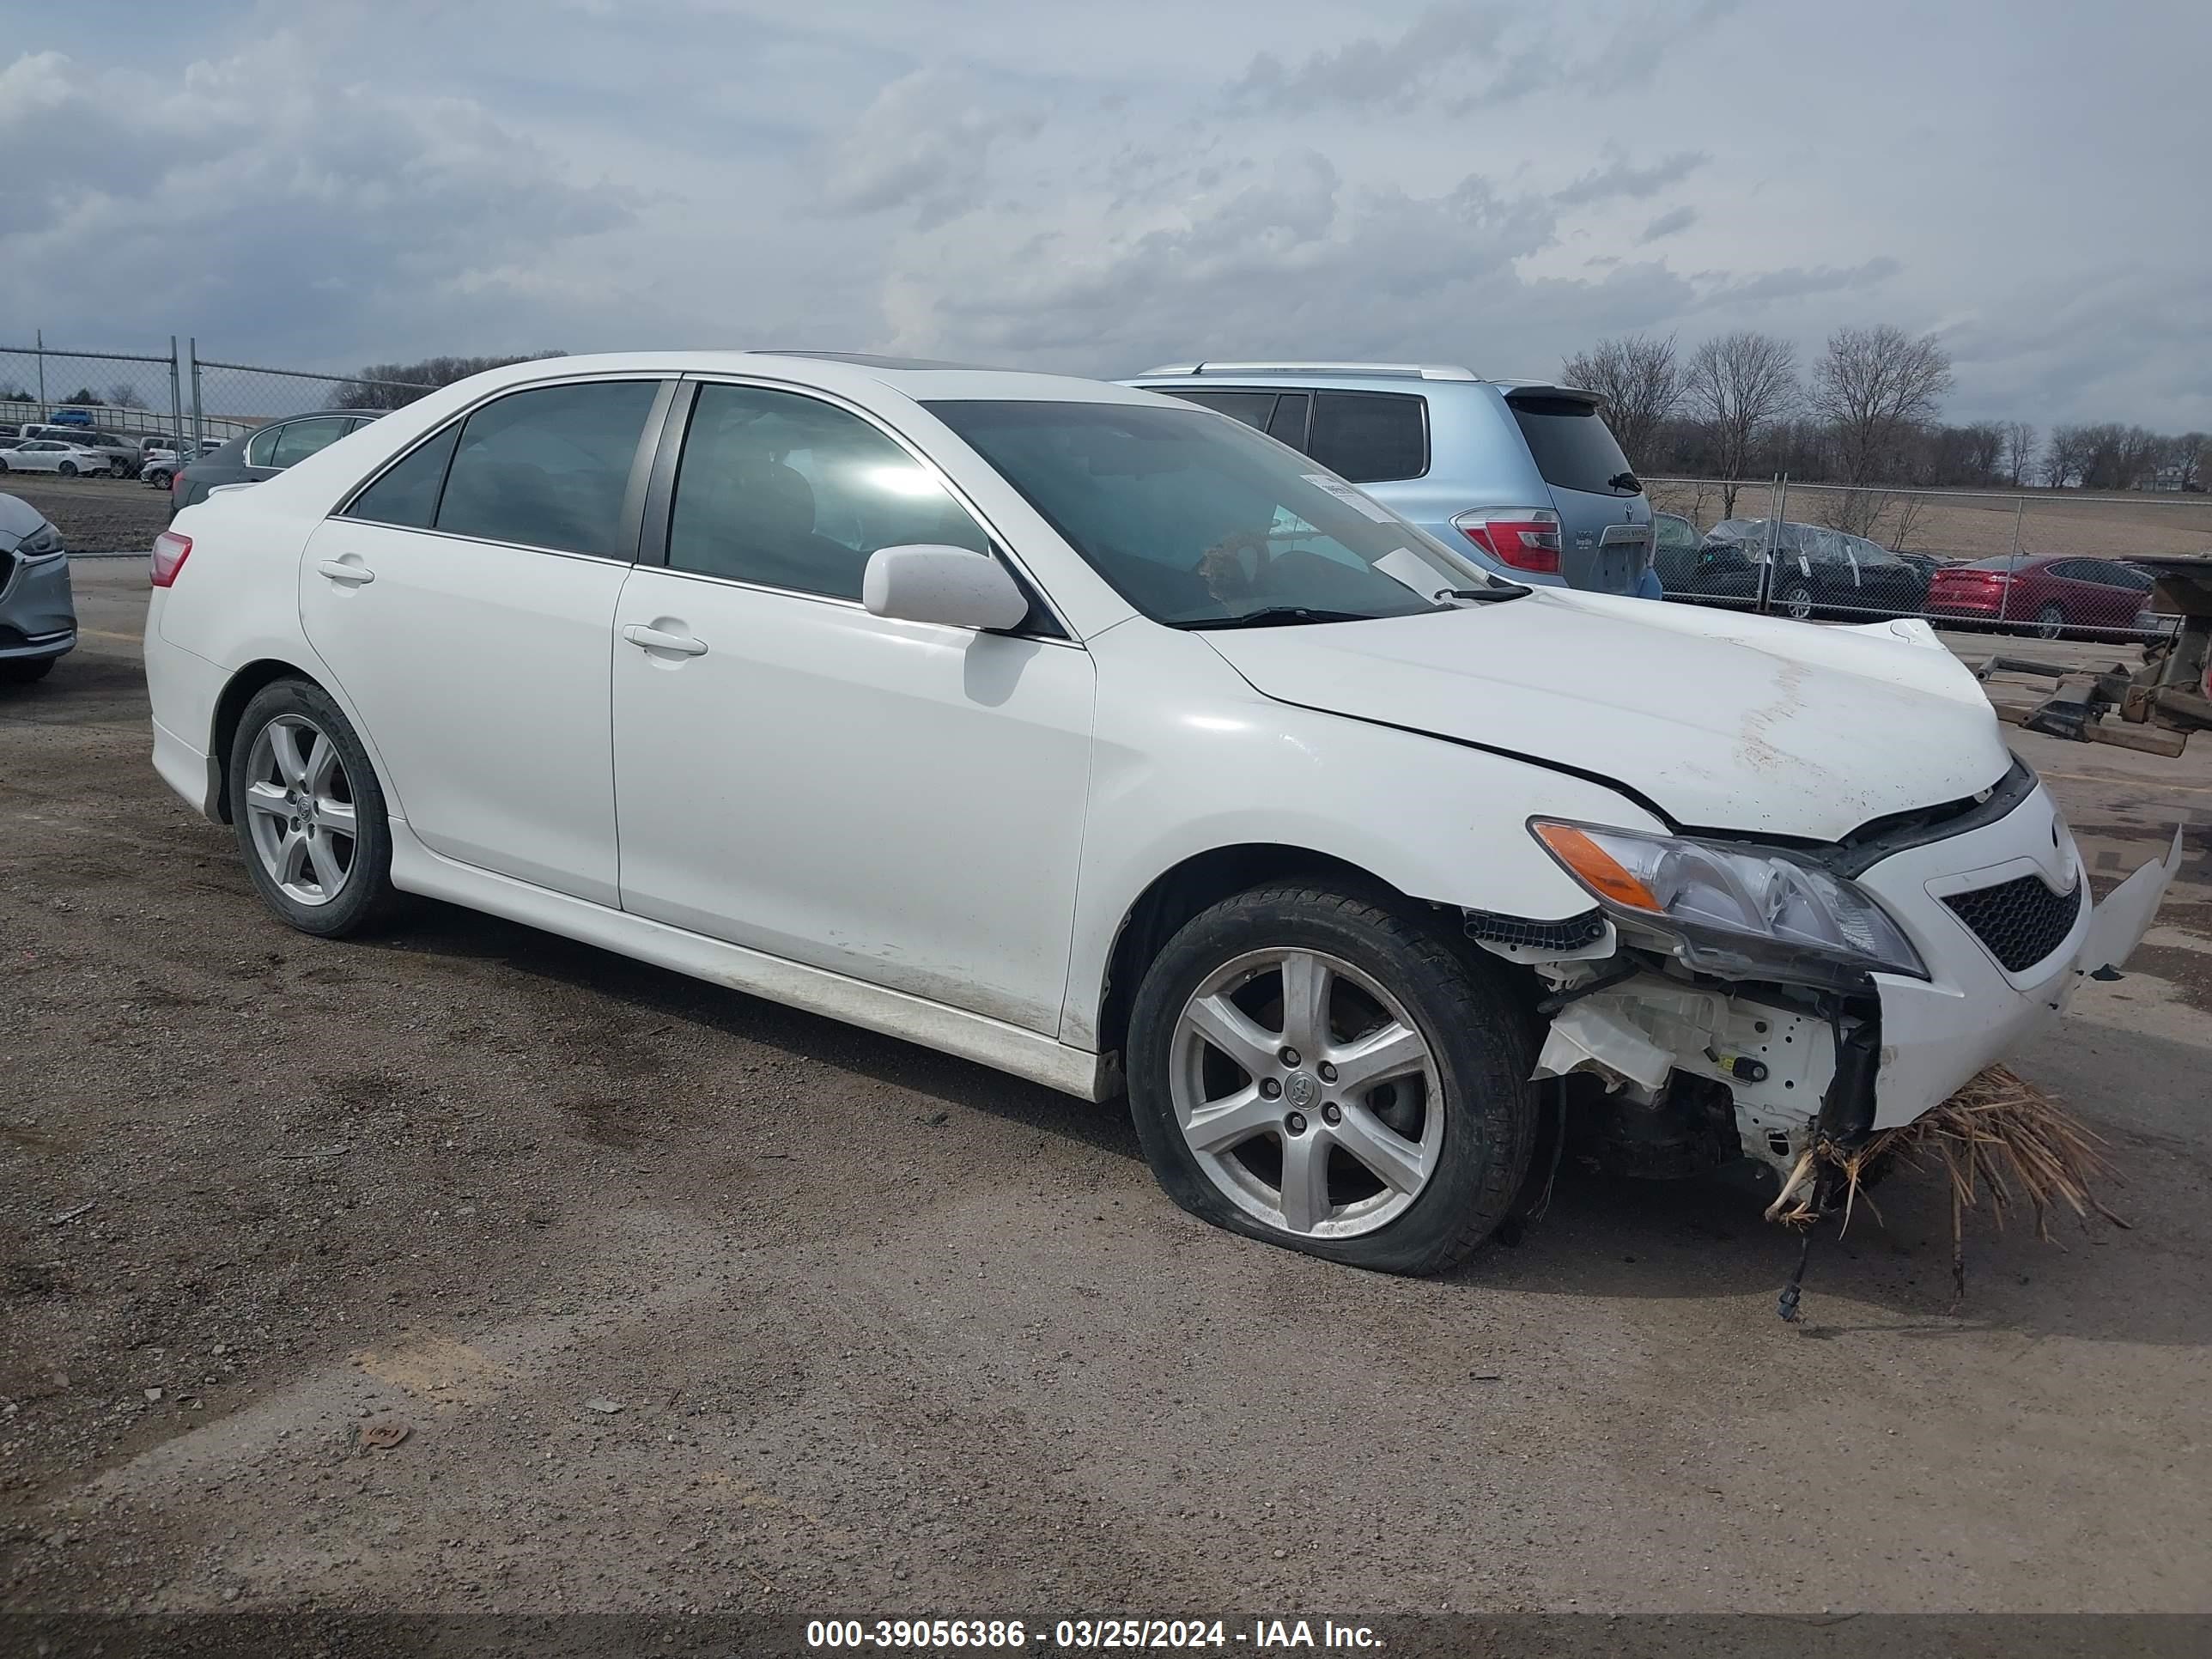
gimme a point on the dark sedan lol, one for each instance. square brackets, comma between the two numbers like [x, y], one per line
[261, 454]
[1817, 571]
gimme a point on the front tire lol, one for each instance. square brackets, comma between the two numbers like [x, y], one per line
[1797, 603]
[1324, 1071]
[67, 468]
[309, 812]
[21, 672]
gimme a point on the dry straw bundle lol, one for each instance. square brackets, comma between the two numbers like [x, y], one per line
[1999, 1138]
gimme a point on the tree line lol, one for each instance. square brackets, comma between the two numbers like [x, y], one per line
[394, 386]
[1866, 413]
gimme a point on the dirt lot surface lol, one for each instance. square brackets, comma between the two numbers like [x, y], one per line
[1982, 526]
[95, 515]
[689, 1301]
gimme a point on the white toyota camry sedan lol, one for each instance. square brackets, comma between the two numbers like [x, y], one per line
[1100, 739]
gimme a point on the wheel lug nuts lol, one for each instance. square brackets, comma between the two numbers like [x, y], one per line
[1295, 1123]
[1289, 1056]
[1270, 1088]
[1327, 1072]
[1331, 1113]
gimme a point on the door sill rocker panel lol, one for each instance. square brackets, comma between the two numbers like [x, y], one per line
[1029, 1055]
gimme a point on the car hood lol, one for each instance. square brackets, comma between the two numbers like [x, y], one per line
[1725, 721]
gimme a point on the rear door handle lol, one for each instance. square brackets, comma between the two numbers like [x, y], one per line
[652, 639]
[359, 576]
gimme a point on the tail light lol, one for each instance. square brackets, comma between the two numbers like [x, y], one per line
[1525, 537]
[170, 552]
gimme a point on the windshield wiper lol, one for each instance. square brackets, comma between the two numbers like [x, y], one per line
[1277, 616]
[1626, 482]
[1484, 595]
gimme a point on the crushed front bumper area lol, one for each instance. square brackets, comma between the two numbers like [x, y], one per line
[2002, 916]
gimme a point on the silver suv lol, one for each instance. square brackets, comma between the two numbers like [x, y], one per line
[1523, 476]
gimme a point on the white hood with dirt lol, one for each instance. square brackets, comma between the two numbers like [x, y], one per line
[1748, 724]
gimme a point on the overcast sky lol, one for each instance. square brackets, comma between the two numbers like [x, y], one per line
[1099, 188]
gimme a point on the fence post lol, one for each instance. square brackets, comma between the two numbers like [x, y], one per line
[1778, 501]
[38, 341]
[176, 405]
[2004, 601]
[199, 415]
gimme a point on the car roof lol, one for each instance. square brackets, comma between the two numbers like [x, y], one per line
[1355, 370]
[921, 378]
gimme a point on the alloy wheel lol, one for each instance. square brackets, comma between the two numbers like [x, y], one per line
[300, 808]
[1306, 1094]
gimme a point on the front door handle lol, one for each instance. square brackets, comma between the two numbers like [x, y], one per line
[359, 576]
[652, 639]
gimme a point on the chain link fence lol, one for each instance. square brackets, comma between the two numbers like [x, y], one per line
[142, 398]
[2036, 564]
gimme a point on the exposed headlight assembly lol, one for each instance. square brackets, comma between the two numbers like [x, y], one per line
[1734, 909]
[41, 542]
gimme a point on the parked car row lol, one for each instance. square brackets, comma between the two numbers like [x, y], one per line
[1810, 571]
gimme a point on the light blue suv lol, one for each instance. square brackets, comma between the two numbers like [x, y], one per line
[1523, 476]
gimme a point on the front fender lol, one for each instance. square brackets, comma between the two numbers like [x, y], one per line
[1189, 758]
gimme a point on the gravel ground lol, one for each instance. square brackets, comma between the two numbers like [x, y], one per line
[689, 1301]
[95, 515]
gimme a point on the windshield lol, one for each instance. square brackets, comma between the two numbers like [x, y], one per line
[1198, 520]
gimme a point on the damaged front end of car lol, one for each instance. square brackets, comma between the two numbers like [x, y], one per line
[1727, 999]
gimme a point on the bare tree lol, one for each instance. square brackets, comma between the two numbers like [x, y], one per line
[1877, 386]
[2020, 450]
[1736, 387]
[1641, 383]
[2185, 458]
[124, 395]
[2067, 458]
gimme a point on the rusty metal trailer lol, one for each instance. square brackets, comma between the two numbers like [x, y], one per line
[2152, 708]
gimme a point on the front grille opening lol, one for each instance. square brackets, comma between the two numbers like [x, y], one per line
[2022, 921]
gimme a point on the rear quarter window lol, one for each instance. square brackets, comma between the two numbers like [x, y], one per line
[1370, 437]
[1573, 447]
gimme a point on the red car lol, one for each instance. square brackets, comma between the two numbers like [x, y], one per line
[2054, 593]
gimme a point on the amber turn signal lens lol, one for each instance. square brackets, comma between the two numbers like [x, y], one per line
[1599, 871]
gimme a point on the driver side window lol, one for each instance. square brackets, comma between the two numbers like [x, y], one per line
[786, 491]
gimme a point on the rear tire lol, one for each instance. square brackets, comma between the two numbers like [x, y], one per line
[309, 812]
[1396, 1140]
[2050, 623]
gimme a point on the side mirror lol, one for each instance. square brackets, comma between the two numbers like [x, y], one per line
[953, 585]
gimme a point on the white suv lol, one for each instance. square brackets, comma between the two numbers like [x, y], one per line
[1085, 734]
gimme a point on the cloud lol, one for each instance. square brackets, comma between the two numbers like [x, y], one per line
[924, 144]
[1370, 70]
[270, 199]
[1669, 223]
[1473, 58]
[1620, 176]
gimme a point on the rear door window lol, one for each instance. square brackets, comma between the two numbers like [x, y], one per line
[1370, 437]
[1287, 424]
[1573, 447]
[550, 467]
